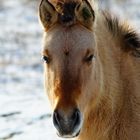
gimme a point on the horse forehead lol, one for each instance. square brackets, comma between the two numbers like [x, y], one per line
[62, 38]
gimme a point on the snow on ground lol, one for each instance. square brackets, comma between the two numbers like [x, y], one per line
[24, 108]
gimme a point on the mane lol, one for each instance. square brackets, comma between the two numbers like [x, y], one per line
[125, 33]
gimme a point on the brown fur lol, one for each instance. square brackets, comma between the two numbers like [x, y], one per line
[107, 90]
[125, 33]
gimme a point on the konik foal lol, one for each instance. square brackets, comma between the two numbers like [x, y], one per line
[92, 71]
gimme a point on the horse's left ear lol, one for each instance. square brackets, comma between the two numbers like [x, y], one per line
[85, 14]
[47, 14]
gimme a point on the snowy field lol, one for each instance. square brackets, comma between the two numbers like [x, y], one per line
[24, 108]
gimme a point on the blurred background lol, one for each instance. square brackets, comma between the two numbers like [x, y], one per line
[24, 108]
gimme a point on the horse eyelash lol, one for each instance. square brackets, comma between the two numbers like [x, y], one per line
[89, 58]
[46, 59]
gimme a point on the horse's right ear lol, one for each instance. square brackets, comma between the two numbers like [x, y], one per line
[47, 14]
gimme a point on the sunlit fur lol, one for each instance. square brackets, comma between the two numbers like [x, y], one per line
[106, 90]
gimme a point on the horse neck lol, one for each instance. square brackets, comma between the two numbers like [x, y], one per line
[114, 71]
[115, 67]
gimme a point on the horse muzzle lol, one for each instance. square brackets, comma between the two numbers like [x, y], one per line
[68, 125]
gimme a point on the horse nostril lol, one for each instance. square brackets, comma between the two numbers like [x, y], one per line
[76, 117]
[56, 119]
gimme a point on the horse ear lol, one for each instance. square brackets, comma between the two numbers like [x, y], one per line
[85, 14]
[47, 14]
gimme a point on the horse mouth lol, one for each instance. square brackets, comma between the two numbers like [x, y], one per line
[68, 135]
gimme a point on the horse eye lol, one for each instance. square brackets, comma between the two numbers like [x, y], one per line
[46, 59]
[89, 58]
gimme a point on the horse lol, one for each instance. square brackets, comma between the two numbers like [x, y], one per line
[92, 71]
